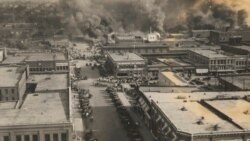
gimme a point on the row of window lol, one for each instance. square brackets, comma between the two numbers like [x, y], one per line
[7, 91]
[6, 98]
[40, 69]
[27, 138]
[61, 67]
[49, 69]
[223, 62]
[55, 137]
[142, 50]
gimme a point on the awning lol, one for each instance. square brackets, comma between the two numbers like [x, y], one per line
[201, 71]
[61, 64]
[158, 119]
[168, 131]
[164, 127]
[174, 136]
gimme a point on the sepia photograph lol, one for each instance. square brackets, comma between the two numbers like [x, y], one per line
[124, 70]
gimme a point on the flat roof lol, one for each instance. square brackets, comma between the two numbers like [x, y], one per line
[186, 121]
[125, 57]
[174, 78]
[14, 60]
[45, 56]
[176, 89]
[242, 82]
[208, 53]
[171, 105]
[123, 99]
[174, 62]
[49, 82]
[237, 110]
[137, 45]
[39, 108]
[7, 105]
[10, 75]
[243, 47]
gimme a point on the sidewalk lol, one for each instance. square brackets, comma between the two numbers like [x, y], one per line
[145, 132]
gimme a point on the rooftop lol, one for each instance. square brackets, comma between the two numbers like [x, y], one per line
[49, 108]
[237, 110]
[7, 105]
[10, 75]
[14, 59]
[49, 82]
[176, 89]
[173, 62]
[187, 121]
[242, 82]
[198, 119]
[137, 45]
[45, 57]
[124, 100]
[125, 57]
[243, 47]
[174, 78]
[208, 53]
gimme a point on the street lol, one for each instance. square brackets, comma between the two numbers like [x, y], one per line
[106, 124]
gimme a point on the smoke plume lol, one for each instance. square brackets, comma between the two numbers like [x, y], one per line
[95, 18]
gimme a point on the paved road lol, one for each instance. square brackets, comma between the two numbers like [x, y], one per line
[106, 124]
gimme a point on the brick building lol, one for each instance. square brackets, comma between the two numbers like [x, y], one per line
[138, 48]
[42, 117]
[13, 82]
[41, 62]
[215, 61]
[127, 65]
[206, 116]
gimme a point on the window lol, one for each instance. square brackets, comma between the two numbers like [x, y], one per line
[26, 138]
[34, 138]
[12, 91]
[18, 138]
[55, 137]
[153, 50]
[6, 138]
[47, 137]
[6, 98]
[6, 91]
[139, 51]
[64, 136]
[13, 98]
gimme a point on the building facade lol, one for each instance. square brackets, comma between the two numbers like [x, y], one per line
[215, 61]
[41, 62]
[51, 132]
[138, 48]
[13, 85]
[188, 116]
[128, 65]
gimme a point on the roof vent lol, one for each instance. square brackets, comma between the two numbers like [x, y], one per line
[35, 94]
[200, 122]
[246, 112]
[183, 108]
[47, 78]
[216, 127]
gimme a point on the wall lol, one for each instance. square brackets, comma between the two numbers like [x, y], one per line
[22, 85]
[9, 94]
[39, 131]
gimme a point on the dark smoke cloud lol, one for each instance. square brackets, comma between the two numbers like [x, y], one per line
[95, 18]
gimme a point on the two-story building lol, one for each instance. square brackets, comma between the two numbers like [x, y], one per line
[126, 65]
[13, 82]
